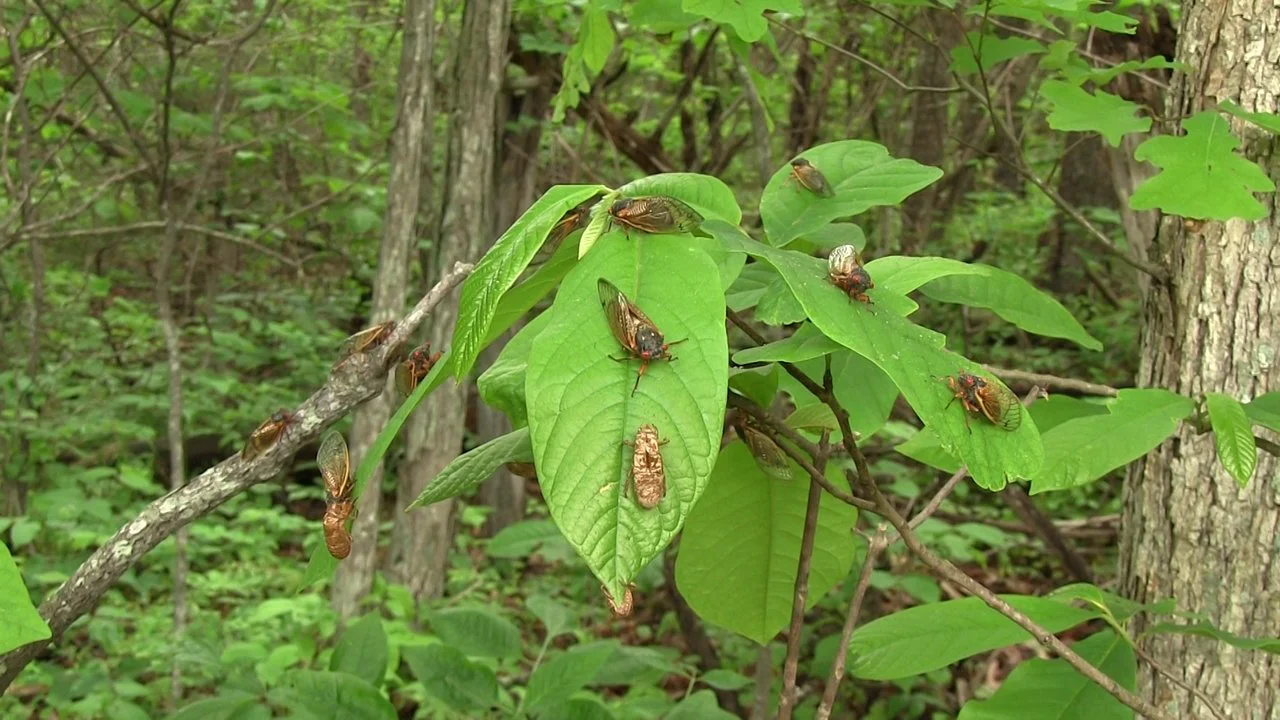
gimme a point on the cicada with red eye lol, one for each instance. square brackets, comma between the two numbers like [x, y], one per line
[415, 367]
[810, 178]
[656, 214]
[364, 341]
[334, 462]
[633, 329]
[844, 268]
[624, 608]
[988, 398]
[768, 455]
[266, 435]
[336, 537]
[647, 478]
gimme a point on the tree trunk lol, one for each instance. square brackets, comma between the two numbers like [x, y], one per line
[355, 574]
[1189, 531]
[466, 229]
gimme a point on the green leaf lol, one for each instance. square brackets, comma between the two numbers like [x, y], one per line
[706, 194]
[556, 680]
[806, 343]
[749, 286]
[924, 448]
[556, 618]
[1076, 110]
[862, 174]
[521, 539]
[1266, 121]
[447, 674]
[814, 417]
[581, 406]
[992, 49]
[22, 624]
[332, 696]
[912, 356]
[1233, 436]
[1053, 690]
[1202, 177]
[1205, 629]
[521, 298]
[1014, 300]
[502, 385]
[701, 705]
[477, 632]
[1081, 451]
[778, 306]
[738, 554]
[469, 470]
[837, 233]
[596, 38]
[865, 392]
[498, 270]
[1264, 410]
[660, 16]
[759, 385]
[905, 274]
[362, 651]
[746, 17]
[721, 679]
[596, 226]
[927, 637]
[230, 705]
[1057, 409]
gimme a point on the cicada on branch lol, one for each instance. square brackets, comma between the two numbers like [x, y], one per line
[266, 435]
[364, 341]
[415, 367]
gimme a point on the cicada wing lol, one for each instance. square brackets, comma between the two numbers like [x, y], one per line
[335, 465]
[999, 405]
[406, 377]
[620, 313]
[771, 459]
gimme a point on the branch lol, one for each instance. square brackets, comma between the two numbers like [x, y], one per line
[341, 393]
[1051, 382]
[877, 545]
[159, 225]
[858, 58]
[689, 79]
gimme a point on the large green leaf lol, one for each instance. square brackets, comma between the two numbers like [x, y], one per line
[738, 554]
[927, 637]
[498, 270]
[706, 194]
[477, 632]
[863, 390]
[450, 676]
[806, 343]
[701, 705]
[746, 17]
[1201, 175]
[1076, 110]
[469, 470]
[1233, 436]
[521, 298]
[555, 680]
[1205, 629]
[1265, 410]
[749, 286]
[331, 696]
[1053, 690]
[904, 274]
[581, 406]
[912, 356]
[502, 385]
[22, 624]
[1081, 451]
[862, 174]
[362, 651]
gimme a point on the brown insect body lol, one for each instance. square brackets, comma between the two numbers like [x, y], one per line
[571, 221]
[989, 399]
[336, 537]
[771, 459]
[523, 469]
[637, 334]
[656, 214]
[266, 435]
[364, 340]
[415, 367]
[623, 608]
[810, 178]
[647, 478]
[844, 268]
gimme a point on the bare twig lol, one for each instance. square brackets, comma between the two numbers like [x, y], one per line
[1052, 382]
[342, 392]
[134, 228]
[877, 545]
[858, 58]
[1146, 657]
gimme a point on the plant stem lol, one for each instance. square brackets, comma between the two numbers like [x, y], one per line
[874, 548]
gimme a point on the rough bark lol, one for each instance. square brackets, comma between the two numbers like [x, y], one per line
[355, 575]
[466, 228]
[1189, 531]
[929, 131]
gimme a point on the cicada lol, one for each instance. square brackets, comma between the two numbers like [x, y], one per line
[647, 479]
[771, 459]
[364, 340]
[810, 178]
[655, 214]
[633, 329]
[623, 608]
[570, 222]
[988, 398]
[415, 367]
[336, 536]
[844, 268]
[266, 435]
[523, 469]
[335, 466]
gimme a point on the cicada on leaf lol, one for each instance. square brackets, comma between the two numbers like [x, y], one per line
[266, 435]
[647, 478]
[336, 537]
[988, 398]
[656, 214]
[571, 222]
[844, 268]
[768, 455]
[334, 462]
[624, 608]
[810, 178]
[633, 329]
[364, 340]
[415, 367]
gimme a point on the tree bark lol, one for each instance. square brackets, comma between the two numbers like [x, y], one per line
[1189, 531]
[466, 228]
[355, 575]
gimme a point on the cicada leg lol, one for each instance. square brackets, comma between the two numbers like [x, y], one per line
[644, 365]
